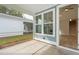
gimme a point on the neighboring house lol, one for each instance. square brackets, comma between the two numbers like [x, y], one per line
[12, 25]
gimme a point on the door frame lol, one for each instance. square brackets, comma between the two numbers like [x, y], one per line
[58, 25]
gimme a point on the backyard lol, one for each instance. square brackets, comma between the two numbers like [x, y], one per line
[8, 41]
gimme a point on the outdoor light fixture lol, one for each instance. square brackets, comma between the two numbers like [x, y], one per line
[70, 20]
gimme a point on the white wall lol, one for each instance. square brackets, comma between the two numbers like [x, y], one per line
[10, 26]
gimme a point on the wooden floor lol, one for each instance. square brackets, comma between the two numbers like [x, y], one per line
[69, 41]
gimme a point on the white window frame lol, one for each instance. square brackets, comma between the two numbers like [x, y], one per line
[54, 21]
[42, 14]
[38, 24]
[53, 10]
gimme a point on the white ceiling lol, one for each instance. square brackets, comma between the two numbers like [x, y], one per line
[35, 7]
[29, 8]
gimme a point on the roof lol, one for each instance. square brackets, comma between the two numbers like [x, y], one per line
[16, 18]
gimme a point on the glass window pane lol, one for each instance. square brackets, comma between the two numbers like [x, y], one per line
[38, 28]
[48, 29]
[39, 19]
[48, 17]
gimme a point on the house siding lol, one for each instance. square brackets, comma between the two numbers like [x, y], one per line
[10, 26]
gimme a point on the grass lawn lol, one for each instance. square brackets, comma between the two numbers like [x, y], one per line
[6, 40]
